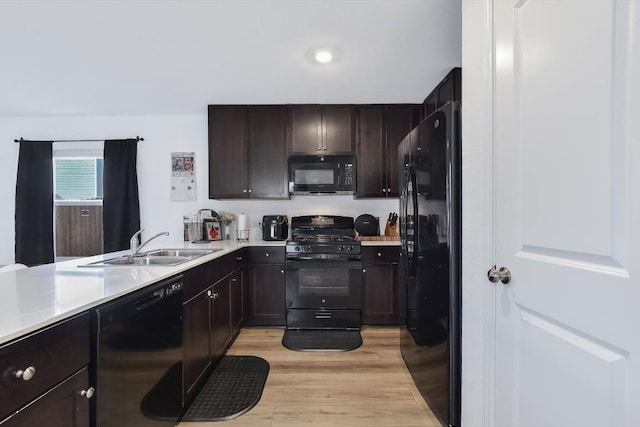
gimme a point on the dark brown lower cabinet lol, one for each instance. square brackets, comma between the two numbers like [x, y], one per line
[44, 374]
[237, 300]
[221, 318]
[265, 286]
[266, 295]
[78, 231]
[212, 314]
[383, 300]
[196, 336]
[62, 406]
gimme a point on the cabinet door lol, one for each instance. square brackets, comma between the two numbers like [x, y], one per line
[237, 300]
[221, 319]
[268, 152]
[55, 353]
[449, 88]
[338, 129]
[372, 155]
[306, 135]
[430, 104]
[380, 294]
[196, 335]
[78, 231]
[227, 152]
[266, 299]
[62, 406]
[401, 119]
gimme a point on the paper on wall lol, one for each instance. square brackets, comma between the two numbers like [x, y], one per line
[183, 177]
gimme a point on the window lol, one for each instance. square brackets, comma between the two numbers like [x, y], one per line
[78, 178]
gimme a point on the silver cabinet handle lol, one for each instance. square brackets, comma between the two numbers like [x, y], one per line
[27, 374]
[244, 191]
[266, 254]
[384, 190]
[364, 270]
[88, 393]
[212, 295]
[249, 190]
[234, 280]
[239, 258]
[282, 271]
[379, 254]
[388, 190]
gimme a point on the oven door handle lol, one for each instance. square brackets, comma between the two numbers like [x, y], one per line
[294, 265]
[329, 258]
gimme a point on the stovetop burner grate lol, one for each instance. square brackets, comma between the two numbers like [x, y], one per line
[322, 238]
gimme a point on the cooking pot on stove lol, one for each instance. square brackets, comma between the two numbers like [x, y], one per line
[367, 225]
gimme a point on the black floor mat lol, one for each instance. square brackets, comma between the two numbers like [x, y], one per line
[321, 339]
[234, 387]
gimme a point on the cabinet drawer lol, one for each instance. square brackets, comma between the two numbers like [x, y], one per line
[202, 276]
[320, 319]
[63, 406]
[265, 255]
[236, 259]
[381, 253]
[54, 353]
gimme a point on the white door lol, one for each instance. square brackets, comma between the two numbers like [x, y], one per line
[568, 212]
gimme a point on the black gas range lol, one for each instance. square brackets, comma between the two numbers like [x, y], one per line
[324, 273]
[317, 236]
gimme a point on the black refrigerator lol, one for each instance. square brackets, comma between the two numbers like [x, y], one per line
[430, 233]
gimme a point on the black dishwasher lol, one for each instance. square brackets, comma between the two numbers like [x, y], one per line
[137, 356]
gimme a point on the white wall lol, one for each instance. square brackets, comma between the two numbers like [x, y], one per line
[163, 135]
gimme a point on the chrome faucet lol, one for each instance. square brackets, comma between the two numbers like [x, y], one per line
[134, 241]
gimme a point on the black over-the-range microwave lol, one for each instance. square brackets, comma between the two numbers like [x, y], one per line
[322, 174]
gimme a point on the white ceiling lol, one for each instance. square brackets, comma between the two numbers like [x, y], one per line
[176, 57]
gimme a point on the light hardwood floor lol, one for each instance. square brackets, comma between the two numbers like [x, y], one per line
[367, 387]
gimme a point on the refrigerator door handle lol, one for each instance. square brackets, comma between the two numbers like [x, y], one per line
[414, 199]
[403, 210]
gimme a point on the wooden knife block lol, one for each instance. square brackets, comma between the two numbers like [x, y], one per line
[391, 230]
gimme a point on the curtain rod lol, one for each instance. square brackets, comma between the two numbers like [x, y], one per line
[137, 138]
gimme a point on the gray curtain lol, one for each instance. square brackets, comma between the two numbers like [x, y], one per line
[34, 204]
[120, 205]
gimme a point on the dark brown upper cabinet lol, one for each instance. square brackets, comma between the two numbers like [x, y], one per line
[247, 152]
[380, 130]
[322, 129]
[449, 89]
[268, 152]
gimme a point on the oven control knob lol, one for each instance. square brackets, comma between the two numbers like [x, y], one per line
[349, 248]
[297, 248]
[340, 248]
[307, 248]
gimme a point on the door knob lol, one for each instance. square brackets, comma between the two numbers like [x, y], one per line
[502, 275]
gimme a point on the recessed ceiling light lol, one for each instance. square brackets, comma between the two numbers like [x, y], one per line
[323, 56]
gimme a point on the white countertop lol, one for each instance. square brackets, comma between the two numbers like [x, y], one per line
[36, 297]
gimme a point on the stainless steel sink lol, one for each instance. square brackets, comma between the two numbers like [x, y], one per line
[180, 252]
[166, 257]
[150, 260]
